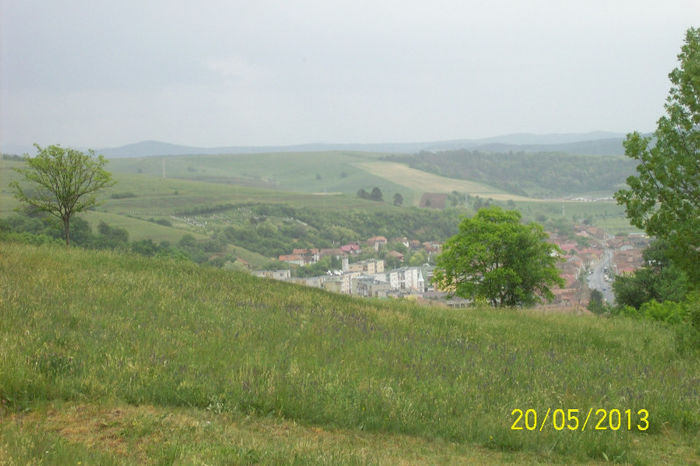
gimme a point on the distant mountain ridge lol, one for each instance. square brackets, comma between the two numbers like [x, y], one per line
[591, 143]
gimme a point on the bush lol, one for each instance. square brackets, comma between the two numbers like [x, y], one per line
[28, 238]
[122, 195]
[595, 303]
[667, 311]
[625, 310]
[688, 333]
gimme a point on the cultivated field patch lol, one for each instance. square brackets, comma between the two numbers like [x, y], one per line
[427, 182]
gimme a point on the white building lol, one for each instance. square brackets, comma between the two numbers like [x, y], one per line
[407, 278]
[283, 274]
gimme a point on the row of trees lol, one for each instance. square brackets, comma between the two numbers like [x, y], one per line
[377, 195]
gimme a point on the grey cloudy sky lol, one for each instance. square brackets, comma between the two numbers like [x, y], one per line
[211, 73]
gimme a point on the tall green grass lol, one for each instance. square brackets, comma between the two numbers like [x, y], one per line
[95, 326]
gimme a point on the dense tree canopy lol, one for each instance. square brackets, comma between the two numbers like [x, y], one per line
[664, 197]
[538, 174]
[62, 182]
[496, 257]
[376, 194]
[659, 279]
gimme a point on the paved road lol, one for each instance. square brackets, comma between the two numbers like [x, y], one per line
[596, 280]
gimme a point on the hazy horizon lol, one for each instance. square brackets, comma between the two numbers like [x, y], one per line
[272, 73]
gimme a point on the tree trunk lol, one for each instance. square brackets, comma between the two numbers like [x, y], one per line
[66, 229]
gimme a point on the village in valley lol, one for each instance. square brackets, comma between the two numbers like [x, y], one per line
[365, 277]
[589, 260]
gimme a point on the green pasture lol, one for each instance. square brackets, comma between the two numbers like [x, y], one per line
[309, 172]
[7, 175]
[109, 357]
[155, 196]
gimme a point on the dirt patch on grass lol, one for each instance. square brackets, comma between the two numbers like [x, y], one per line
[433, 200]
[141, 433]
[89, 425]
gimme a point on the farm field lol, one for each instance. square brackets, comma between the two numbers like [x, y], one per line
[155, 196]
[177, 363]
[421, 181]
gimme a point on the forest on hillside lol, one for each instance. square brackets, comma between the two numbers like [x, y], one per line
[537, 174]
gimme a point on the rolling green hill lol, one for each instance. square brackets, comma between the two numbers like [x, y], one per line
[223, 197]
[307, 172]
[112, 358]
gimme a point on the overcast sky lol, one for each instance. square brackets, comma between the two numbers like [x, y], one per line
[212, 73]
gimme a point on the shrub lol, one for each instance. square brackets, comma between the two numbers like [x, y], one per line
[122, 195]
[667, 311]
[595, 303]
[688, 333]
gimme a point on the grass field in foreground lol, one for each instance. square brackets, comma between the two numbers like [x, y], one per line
[179, 349]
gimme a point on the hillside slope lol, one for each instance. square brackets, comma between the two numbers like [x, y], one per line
[596, 142]
[173, 348]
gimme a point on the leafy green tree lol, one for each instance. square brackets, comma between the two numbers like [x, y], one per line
[496, 257]
[398, 199]
[659, 280]
[376, 194]
[664, 197]
[64, 182]
[418, 258]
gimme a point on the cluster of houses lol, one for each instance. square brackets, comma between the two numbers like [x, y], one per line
[626, 257]
[364, 278]
[369, 277]
[303, 257]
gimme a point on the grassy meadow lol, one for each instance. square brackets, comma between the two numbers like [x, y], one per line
[113, 358]
[307, 172]
[7, 175]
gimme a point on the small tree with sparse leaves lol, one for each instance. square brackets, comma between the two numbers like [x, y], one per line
[62, 182]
